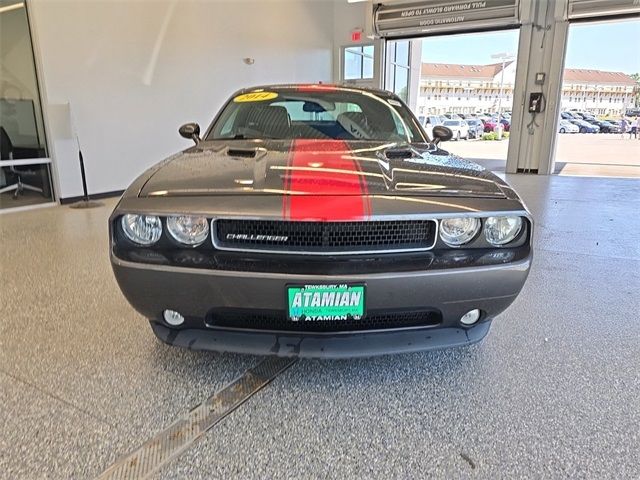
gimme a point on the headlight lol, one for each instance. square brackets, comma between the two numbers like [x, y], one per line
[141, 229]
[188, 230]
[502, 230]
[458, 231]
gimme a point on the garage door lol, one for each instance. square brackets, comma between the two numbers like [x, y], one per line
[579, 9]
[405, 18]
[395, 19]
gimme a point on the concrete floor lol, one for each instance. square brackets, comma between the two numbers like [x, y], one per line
[552, 392]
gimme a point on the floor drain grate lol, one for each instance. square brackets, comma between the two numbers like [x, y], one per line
[179, 436]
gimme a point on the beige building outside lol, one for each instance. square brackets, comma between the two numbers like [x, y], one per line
[476, 88]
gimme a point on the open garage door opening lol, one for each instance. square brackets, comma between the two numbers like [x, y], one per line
[462, 81]
[598, 124]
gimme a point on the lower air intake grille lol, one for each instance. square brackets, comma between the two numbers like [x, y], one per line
[278, 321]
[325, 237]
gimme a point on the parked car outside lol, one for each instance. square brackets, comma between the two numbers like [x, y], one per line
[613, 127]
[584, 126]
[430, 122]
[565, 126]
[460, 128]
[476, 127]
[605, 127]
[569, 116]
[588, 116]
[490, 125]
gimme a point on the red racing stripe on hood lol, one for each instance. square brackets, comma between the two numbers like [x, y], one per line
[326, 184]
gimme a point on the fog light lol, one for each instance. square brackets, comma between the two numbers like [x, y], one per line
[173, 318]
[471, 317]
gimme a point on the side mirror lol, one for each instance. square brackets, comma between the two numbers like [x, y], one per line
[441, 134]
[191, 131]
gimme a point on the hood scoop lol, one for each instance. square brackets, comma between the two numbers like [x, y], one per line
[398, 153]
[242, 152]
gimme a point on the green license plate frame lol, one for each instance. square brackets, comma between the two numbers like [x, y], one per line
[325, 302]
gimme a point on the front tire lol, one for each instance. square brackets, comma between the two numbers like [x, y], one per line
[583, 130]
[562, 130]
[458, 137]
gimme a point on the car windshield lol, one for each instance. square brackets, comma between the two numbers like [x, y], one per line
[321, 113]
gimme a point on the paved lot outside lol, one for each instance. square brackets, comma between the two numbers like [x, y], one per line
[594, 155]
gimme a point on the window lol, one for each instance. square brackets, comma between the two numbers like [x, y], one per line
[398, 81]
[24, 162]
[323, 114]
[358, 62]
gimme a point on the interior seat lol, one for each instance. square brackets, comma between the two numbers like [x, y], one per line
[356, 124]
[272, 121]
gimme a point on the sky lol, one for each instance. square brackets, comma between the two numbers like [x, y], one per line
[612, 46]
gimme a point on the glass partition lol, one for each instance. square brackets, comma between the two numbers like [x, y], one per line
[25, 177]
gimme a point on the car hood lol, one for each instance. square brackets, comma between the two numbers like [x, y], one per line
[319, 167]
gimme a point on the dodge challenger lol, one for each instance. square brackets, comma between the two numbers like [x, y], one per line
[319, 221]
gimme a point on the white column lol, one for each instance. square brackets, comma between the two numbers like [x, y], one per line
[542, 47]
[415, 67]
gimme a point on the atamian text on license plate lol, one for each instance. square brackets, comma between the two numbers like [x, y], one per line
[325, 302]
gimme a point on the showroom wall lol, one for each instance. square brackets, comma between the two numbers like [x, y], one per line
[127, 74]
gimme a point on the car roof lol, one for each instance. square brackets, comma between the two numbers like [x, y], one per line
[309, 87]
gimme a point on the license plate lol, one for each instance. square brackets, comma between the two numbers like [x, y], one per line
[315, 303]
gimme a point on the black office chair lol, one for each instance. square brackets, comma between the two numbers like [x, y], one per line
[6, 153]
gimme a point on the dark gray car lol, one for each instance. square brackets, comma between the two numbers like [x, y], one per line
[315, 220]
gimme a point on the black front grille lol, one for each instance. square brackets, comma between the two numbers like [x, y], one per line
[325, 237]
[278, 321]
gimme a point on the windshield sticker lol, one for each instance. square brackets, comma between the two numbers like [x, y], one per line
[393, 102]
[255, 97]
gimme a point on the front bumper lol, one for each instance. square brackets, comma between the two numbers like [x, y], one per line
[313, 345]
[195, 292]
